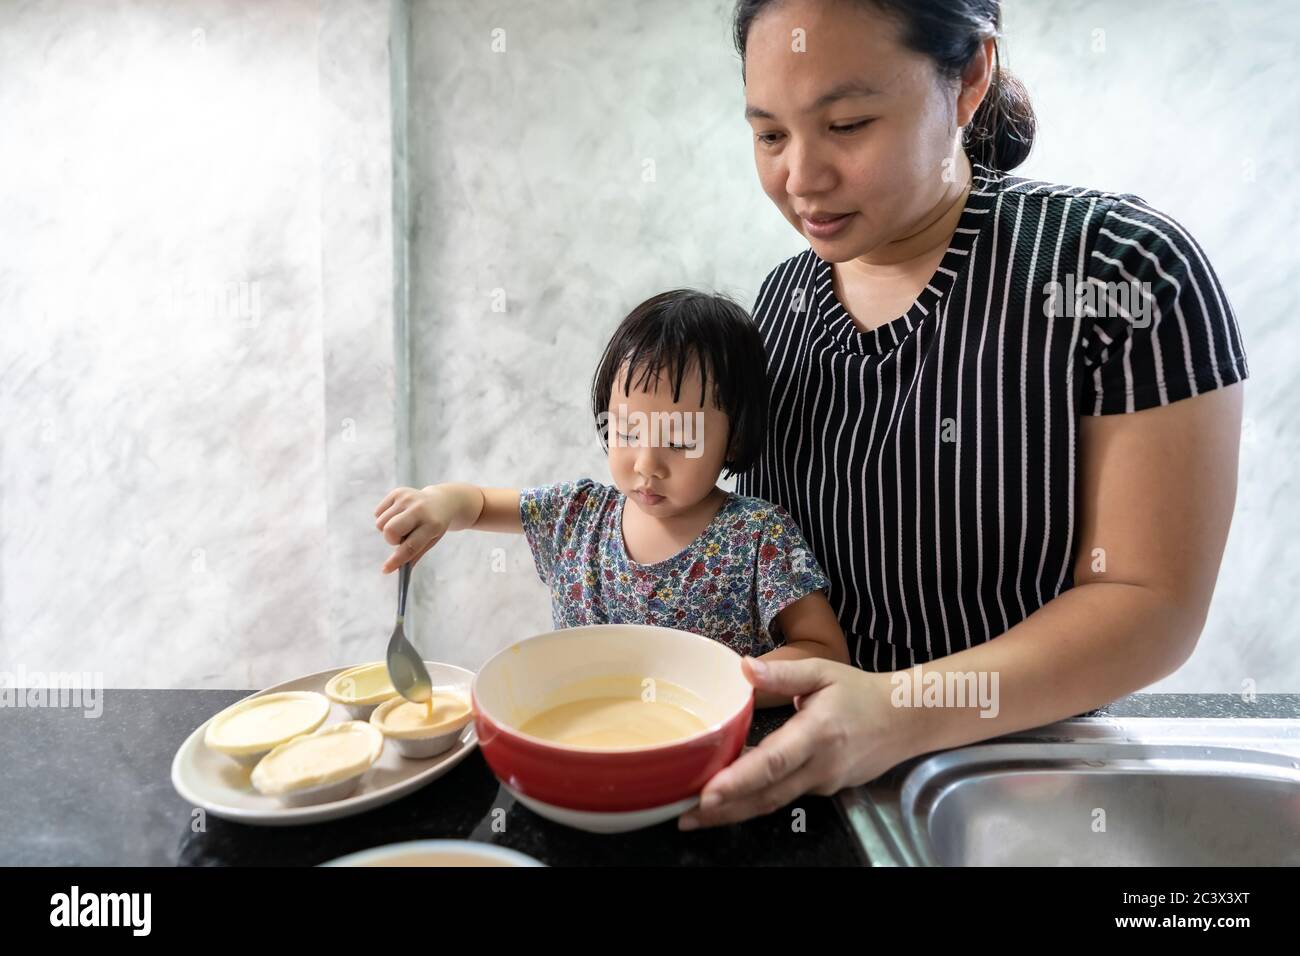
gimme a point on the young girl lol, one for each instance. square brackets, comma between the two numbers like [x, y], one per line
[680, 395]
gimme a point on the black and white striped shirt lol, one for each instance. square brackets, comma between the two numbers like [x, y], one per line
[931, 462]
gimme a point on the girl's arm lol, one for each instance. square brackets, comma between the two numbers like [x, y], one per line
[811, 630]
[414, 520]
[481, 509]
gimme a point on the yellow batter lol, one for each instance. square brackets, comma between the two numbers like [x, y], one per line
[263, 722]
[408, 716]
[613, 723]
[331, 754]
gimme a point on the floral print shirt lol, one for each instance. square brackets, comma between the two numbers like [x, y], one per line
[728, 584]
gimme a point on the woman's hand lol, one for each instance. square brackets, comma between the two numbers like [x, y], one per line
[846, 732]
[414, 520]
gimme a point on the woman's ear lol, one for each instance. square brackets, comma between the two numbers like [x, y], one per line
[975, 80]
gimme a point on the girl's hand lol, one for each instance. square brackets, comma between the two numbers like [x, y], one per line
[414, 520]
[846, 732]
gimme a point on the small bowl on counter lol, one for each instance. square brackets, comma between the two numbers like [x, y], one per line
[319, 767]
[249, 730]
[359, 690]
[436, 853]
[420, 731]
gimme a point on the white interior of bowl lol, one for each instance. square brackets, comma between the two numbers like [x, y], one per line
[599, 660]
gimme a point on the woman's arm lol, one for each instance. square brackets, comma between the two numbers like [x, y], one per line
[1156, 494]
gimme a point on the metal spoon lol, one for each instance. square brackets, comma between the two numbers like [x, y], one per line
[406, 670]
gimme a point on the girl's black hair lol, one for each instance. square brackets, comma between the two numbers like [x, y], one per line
[682, 329]
[949, 32]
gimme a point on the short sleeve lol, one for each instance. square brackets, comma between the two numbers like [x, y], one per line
[547, 512]
[1157, 324]
[787, 568]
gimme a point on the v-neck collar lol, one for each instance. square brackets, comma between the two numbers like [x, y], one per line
[986, 184]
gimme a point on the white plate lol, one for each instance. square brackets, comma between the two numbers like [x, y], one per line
[220, 786]
[594, 821]
[436, 853]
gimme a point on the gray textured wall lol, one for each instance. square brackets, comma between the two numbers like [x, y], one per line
[198, 374]
[196, 370]
[1191, 106]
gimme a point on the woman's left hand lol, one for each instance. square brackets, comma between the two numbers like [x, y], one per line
[845, 733]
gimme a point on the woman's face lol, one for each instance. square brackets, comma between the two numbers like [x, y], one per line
[848, 121]
[675, 449]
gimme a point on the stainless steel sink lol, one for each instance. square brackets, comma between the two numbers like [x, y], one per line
[1093, 792]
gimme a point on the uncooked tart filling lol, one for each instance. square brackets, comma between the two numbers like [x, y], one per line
[364, 683]
[264, 722]
[331, 754]
[409, 719]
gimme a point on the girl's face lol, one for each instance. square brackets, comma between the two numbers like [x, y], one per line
[672, 449]
[855, 124]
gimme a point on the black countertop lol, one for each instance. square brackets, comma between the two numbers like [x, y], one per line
[97, 791]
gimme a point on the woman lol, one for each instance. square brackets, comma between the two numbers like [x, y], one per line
[1005, 413]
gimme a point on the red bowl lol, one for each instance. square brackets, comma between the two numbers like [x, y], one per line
[561, 666]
